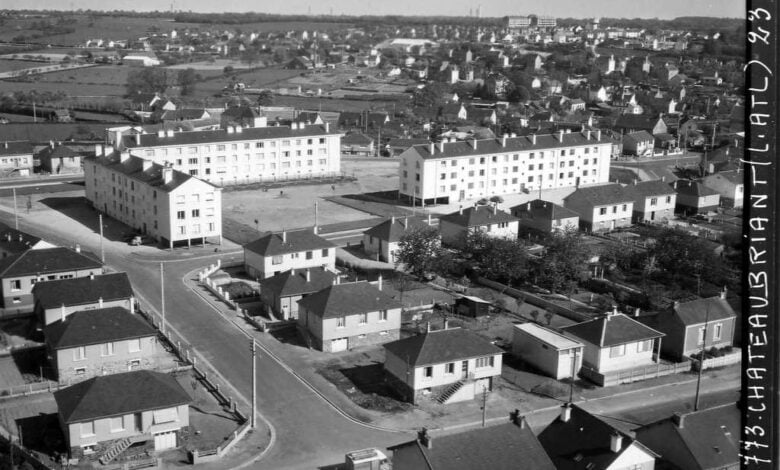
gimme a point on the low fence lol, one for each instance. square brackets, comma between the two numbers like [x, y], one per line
[209, 270]
[271, 180]
[734, 357]
[534, 300]
[633, 374]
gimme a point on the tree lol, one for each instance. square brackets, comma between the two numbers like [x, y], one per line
[265, 98]
[418, 250]
[187, 79]
[562, 264]
[500, 259]
[147, 80]
[430, 96]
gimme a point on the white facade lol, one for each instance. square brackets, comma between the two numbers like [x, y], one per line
[457, 171]
[170, 207]
[237, 156]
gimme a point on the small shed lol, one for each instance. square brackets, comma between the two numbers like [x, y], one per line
[471, 306]
[552, 353]
[366, 459]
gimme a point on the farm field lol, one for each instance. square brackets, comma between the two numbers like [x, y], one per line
[69, 89]
[333, 104]
[9, 65]
[257, 78]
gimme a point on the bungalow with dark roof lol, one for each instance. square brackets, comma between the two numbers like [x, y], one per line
[578, 440]
[243, 116]
[544, 216]
[55, 300]
[697, 440]
[457, 226]
[60, 159]
[282, 291]
[396, 147]
[103, 416]
[693, 325]
[601, 208]
[16, 158]
[639, 143]
[277, 252]
[105, 341]
[693, 197]
[497, 447]
[20, 273]
[654, 201]
[448, 365]
[357, 143]
[382, 240]
[614, 343]
[344, 316]
[730, 185]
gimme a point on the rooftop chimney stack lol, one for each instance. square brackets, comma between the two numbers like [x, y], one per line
[441, 146]
[284, 236]
[460, 210]
[565, 412]
[533, 139]
[161, 133]
[724, 292]
[679, 420]
[560, 135]
[62, 312]
[308, 275]
[503, 140]
[327, 127]
[616, 442]
[167, 174]
[598, 135]
[146, 164]
[138, 139]
[379, 284]
[169, 133]
[100, 302]
[431, 148]
[424, 438]
[77, 249]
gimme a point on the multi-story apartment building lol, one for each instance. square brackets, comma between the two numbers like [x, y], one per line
[168, 205]
[239, 155]
[518, 22]
[544, 22]
[455, 171]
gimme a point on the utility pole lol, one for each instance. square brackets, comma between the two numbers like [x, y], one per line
[102, 252]
[484, 404]
[162, 298]
[316, 210]
[16, 216]
[254, 384]
[573, 375]
[701, 357]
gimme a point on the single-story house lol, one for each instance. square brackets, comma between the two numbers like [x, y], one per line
[544, 216]
[694, 197]
[456, 227]
[55, 300]
[282, 291]
[382, 239]
[601, 208]
[554, 354]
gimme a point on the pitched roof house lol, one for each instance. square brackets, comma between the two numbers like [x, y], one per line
[344, 316]
[654, 201]
[449, 365]
[89, 343]
[14, 242]
[60, 159]
[282, 291]
[499, 447]
[693, 197]
[578, 440]
[102, 416]
[455, 227]
[20, 273]
[698, 440]
[544, 216]
[614, 343]
[273, 253]
[55, 300]
[640, 143]
[357, 143]
[600, 208]
[730, 185]
[382, 239]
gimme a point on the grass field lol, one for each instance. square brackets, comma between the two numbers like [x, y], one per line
[11, 65]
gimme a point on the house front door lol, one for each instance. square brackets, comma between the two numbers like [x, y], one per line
[462, 195]
[612, 225]
[138, 426]
[464, 369]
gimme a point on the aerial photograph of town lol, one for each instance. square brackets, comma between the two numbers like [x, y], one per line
[364, 236]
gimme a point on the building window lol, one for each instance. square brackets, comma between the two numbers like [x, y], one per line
[180, 215]
[717, 331]
[383, 315]
[449, 368]
[624, 207]
[182, 230]
[16, 284]
[134, 345]
[196, 212]
[485, 362]
[428, 372]
[276, 259]
[617, 351]
[643, 346]
[614, 209]
[653, 201]
[362, 318]
[325, 252]
[87, 429]
[309, 255]
[107, 349]
[668, 199]
[116, 424]
[80, 353]
[341, 322]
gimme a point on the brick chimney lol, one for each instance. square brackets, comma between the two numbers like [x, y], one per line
[308, 275]
[616, 442]
[146, 164]
[167, 174]
[679, 420]
[431, 148]
[284, 236]
[379, 282]
[424, 438]
[724, 292]
[565, 415]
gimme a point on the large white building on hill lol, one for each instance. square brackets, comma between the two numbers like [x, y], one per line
[168, 205]
[239, 155]
[454, 171]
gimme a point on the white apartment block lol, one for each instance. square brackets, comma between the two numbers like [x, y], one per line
[239, 155]
[168, 205]
[454, 171]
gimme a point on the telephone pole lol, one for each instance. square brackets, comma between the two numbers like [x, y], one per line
[162, 298]
[16, 216]
[254, 385]
[102, 252]
[484, 404]
[701, 357]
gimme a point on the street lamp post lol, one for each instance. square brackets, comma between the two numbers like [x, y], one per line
[254, 385]
[102, 252]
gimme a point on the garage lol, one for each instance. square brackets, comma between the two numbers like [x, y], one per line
[165, 440]
[339, 344]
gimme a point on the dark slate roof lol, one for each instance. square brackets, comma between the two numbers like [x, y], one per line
[641, 136]
[513, 144]
[20, 147]
[119, 394]
[478, 216]
[293, 282]
[441, 346]
[499, 447]
[59, 151]
[132, 167]
[612, 330]
[47, 260]
[356, 138]
[601, 195]
[635, 121]
[348, 299]
[222, 135]
[96, 327]
[645, 189]
[297, 241]
[241, 112]
[582, 442]
[540, 209]
[694, 312]
[692, 188]
[406, 143]
[82, 290]
[391, 230]
[710, 435]
[15, 241]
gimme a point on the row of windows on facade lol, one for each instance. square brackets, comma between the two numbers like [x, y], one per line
[192, 150]
[180, 215]
[181, 229]
[279, 259]
[449, 368]
[362, 319]
[248, 157]
[117, 424]
[180, 198]
[620, 350]
[505, 181]
[16, 161]
[514, 169]
[16, 284]
[107, 349]
[515, 157]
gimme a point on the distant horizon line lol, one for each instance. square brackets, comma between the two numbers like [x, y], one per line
[327, 15]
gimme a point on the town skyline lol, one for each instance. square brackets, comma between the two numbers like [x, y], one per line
[661, 9]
